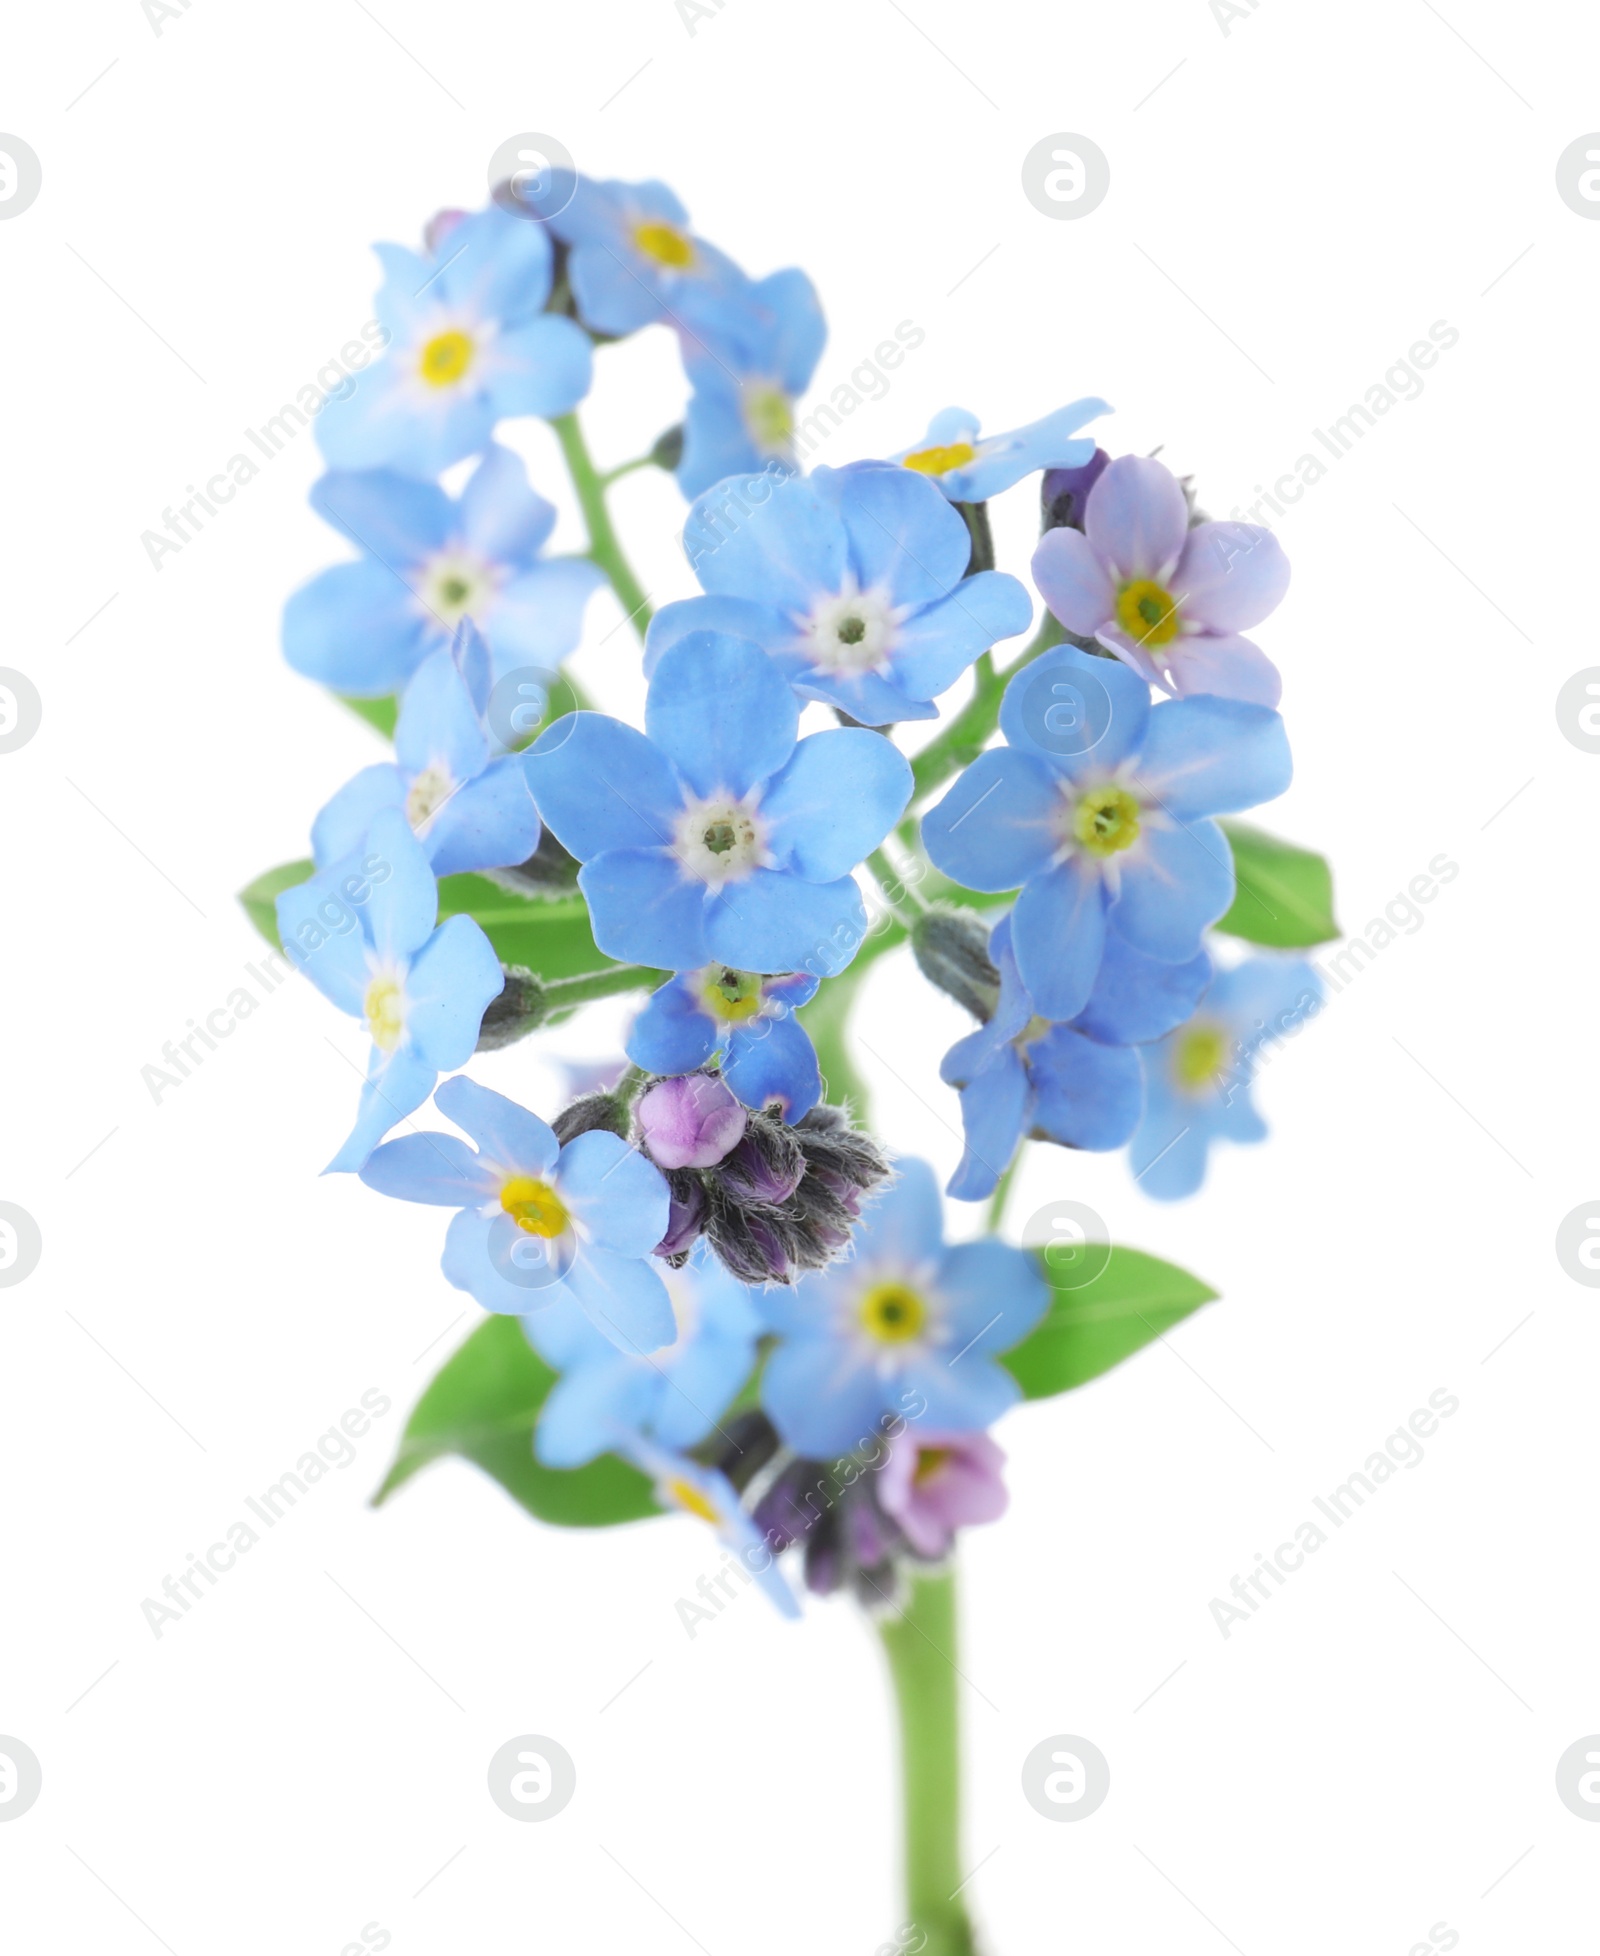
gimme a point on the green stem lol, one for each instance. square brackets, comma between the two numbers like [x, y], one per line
[921, 1647]
[604, 549]
[897, 892]
[560, 993]
[627, 468]
[1002, 1190]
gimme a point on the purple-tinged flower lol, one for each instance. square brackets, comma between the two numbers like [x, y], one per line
[934, 1483]
[971, 469]
[691, 1122]
[745, 1017]
[1169, 600]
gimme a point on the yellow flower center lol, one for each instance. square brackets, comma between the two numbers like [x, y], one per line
[533, 1205]
[689, 1497]
[385, 1007]
[445, 358]
[929, 1462]
[665, 243]
[892, 1313]
[769, 415]
[732, 996]
[1106, 819]
[940, 461]
[1198, 1056]
[1147, 612]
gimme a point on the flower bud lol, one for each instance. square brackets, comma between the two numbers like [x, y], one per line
[1063, 493]
[690, 1122]
[588, 1112]
[549, 871]
[521, 1008]
[951, 947]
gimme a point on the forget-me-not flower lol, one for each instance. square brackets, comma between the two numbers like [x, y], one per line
[748, 361]
[632, 259]
[971, 468]
[747, 1018]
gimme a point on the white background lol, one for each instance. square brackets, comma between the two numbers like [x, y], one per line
[1296, 203]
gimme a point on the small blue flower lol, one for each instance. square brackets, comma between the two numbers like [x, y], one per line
[538, 1223]
[907, 1327]
[675, 1396]
[1099, 810]
[429, 561]
[716, 834]
[684, 1484]
[970, 470]
[468, 811]
[1077, 1083]
[470, 343]
[749, 1019]
[852, 579]
[632, 258]
[362, 930]
[748, 361]
[1198, 1079]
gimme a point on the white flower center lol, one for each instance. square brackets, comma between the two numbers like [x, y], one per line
[428, 793]
[854, 631]
[721, 840]
[456, 584]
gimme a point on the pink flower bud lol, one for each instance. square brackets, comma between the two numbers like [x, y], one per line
[690, 1122]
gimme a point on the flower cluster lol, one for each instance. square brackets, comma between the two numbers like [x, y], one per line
[730, 1285]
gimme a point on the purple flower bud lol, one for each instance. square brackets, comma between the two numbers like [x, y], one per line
[686, 1216]
[765, 1167]
[690, 1122]
[1063, 492]
[934, 1483]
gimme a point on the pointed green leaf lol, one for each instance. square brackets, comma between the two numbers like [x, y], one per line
[1130, 1300]
[260, 898]
[1285, 895]
[482, 1405]
[380, 713]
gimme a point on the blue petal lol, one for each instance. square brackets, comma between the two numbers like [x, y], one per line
[357, 628]
[834, 802]
[776, 1063]
[1265, 998]
[772, 921]
[905, 539]
[437, 1168]
[449, 988]
[906, 1223]
[495, 265]
[1058, 930]
[1137, 998]
[1077, 712]
[320, 932]
[391, 517]
[544, 367]
[1174, 884]
[722, 713]
[394, 1088]
[866, 696]
[962, 1398]
[1210, 756]
[438, 724]
[822, 1401]
[501, 517]
[996, 1294]
[674, 1033]
[1168, 1155]
[588, 1411]
[780, 543]
[510, 1136]
[490, 823]
[615, 1192]
[537, 619]
[996, 1105]
[403, 904]
[624, 1297]
[999, 824]
[611, 296]
[600, 784]
[1087, 1095]
[470, 1264]
[937, 644]
[341, 825]
[644, 910]
[737, 617]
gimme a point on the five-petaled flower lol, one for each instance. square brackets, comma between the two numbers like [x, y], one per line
[1099, 810]
[362, 930]
[747, 1018]
[853, 580]
[539, 1222]
[1170, 600]
[716, 833]
[748, 360]
[970, 468]
[632, 259]
[908, 1321]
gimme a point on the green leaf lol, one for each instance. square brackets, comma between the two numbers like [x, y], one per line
[550, 937]
[1131, 1299]
[380, 713]
[1285, 894]
[482, 1406]
[260, 897]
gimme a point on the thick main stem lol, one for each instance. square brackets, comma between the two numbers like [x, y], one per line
[921, 1648]
[604, 548]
